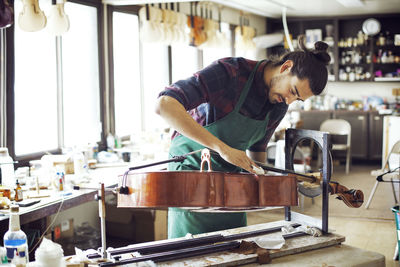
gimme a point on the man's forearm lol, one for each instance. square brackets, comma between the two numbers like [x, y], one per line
[176, 116]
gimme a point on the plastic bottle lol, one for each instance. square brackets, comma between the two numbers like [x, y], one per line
[79, 163]
[59, 181]
[110, 142]
[15, 240]
[7, 168]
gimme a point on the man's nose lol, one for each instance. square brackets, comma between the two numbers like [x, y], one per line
[289, 99]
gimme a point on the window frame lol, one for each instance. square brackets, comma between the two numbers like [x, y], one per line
[106, 77]
[23, 160]
[133, 10]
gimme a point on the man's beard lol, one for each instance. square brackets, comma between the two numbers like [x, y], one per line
[274, 81]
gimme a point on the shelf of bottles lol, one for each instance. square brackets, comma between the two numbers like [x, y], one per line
[331, 67]
[364, 58]
[355, 58]
[386, 57]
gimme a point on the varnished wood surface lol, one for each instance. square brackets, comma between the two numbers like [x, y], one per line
[208, 189]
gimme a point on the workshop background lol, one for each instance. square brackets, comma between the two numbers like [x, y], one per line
[78, 92]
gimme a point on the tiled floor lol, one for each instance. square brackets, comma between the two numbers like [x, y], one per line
[373, 229]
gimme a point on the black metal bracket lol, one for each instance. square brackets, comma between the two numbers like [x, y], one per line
[323, 140]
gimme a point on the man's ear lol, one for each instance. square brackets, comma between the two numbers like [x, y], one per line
[286, 66]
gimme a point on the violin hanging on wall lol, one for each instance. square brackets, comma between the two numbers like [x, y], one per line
[196, 25]
[58, 21]
[31, 18]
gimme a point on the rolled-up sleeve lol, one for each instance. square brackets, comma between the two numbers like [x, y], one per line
[208, 85]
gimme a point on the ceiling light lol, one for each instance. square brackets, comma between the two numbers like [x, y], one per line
[351, 3]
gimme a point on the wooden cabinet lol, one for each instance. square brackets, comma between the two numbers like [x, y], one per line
[366, 127]
[375, 135]
[313, 119]
[359, 131]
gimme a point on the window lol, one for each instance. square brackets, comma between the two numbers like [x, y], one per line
[127, 93]
[81, 89]
[49, 69]
[184, 62]
[155, 78]
[35, 90]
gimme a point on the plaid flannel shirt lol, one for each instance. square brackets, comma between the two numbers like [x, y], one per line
[212, 93]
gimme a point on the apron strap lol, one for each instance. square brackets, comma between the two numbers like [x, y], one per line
[246, 88]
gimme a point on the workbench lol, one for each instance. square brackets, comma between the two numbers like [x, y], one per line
[338, 256]
[66, 199]
[326, 250]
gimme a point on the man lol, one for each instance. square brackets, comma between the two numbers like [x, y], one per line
[234, 106]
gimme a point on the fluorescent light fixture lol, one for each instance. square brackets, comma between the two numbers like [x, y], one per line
[351, 3]
[268, 40]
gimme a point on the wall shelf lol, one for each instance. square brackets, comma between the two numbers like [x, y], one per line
[345, 28]
[387, 79]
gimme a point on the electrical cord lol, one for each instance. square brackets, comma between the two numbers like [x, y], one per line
[50, 225]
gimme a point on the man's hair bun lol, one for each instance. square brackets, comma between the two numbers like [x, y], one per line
[321, 53]
[321, 46]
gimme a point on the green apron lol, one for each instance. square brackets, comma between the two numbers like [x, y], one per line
[237, 131]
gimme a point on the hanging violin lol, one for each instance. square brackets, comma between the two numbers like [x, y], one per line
[196, 25]
[31, 18]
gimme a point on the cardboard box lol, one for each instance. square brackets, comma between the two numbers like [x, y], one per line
[64, 230]
[136, 225]
[161, 225]
[120, 223]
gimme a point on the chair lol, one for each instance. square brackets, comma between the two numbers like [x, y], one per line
[387, 171]
[339, 127]
[276, 156]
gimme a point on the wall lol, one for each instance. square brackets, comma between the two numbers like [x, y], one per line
[356, 90]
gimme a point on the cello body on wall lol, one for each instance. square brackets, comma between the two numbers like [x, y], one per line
[208, 189]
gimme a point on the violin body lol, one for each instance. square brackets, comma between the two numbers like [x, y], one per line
[58, 21]
[208, 189]
[31, 18]
[197, 34]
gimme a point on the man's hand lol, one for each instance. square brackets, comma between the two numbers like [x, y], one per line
[238, 158]
[176, 116]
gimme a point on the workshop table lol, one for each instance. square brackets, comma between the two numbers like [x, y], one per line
[69, 199]
[326, 250]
